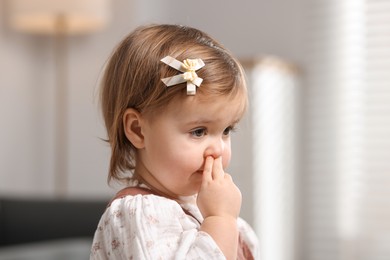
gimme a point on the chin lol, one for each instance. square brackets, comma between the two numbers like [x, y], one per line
[191, 191]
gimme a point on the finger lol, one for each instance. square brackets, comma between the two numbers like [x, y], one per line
[228, 177]
[218, 169]
[208, 168]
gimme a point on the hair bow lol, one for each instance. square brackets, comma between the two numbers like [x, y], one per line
[189, 68]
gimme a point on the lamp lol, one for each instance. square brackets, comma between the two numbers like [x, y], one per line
[59, 18]
[54, 16]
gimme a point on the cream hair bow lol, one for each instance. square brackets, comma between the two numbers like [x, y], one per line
[189, 68]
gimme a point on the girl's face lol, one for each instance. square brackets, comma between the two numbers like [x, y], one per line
[177, 141]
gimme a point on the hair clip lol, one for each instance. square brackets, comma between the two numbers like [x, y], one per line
[189, 68]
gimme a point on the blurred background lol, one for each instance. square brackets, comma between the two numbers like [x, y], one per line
[311, 157]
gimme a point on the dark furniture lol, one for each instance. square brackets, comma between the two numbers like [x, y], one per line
[25, 222]
[33, 220]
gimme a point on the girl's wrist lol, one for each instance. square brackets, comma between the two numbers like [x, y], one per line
[226, 218]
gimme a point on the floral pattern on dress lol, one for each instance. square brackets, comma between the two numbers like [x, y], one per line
[154, 227]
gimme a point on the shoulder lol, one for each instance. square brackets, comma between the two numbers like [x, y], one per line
[143, 207]
[132, 223]
[143, 214]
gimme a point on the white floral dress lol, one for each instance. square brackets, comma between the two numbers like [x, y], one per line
[155, 227]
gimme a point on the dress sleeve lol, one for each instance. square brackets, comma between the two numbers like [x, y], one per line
[250, 237]
[150, 227]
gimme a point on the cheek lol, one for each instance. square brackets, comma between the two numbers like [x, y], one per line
[175, 151]
[226, 156]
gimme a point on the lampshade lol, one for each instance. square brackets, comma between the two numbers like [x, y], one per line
[52, 16]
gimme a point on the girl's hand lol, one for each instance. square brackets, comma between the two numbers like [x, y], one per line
[218, 195]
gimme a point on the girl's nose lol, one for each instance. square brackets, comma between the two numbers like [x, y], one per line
[215, 148]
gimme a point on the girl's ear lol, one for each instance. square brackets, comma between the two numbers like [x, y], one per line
[132, 123]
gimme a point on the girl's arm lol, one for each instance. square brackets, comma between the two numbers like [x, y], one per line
[225, 233]
[219, 201]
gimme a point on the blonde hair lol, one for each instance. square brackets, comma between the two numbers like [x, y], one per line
[132, 79]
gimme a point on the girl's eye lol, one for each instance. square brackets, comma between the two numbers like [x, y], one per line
[228, 130]
[198, 132]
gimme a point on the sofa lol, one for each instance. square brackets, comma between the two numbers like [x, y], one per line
[38, 228]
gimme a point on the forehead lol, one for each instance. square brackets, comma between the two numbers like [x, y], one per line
[219, 108]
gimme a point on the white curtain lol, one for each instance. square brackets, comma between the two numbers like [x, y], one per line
[322, 174]
[346, 182]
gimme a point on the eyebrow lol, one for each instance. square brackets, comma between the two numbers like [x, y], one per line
[207, 121]
[199, 122]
